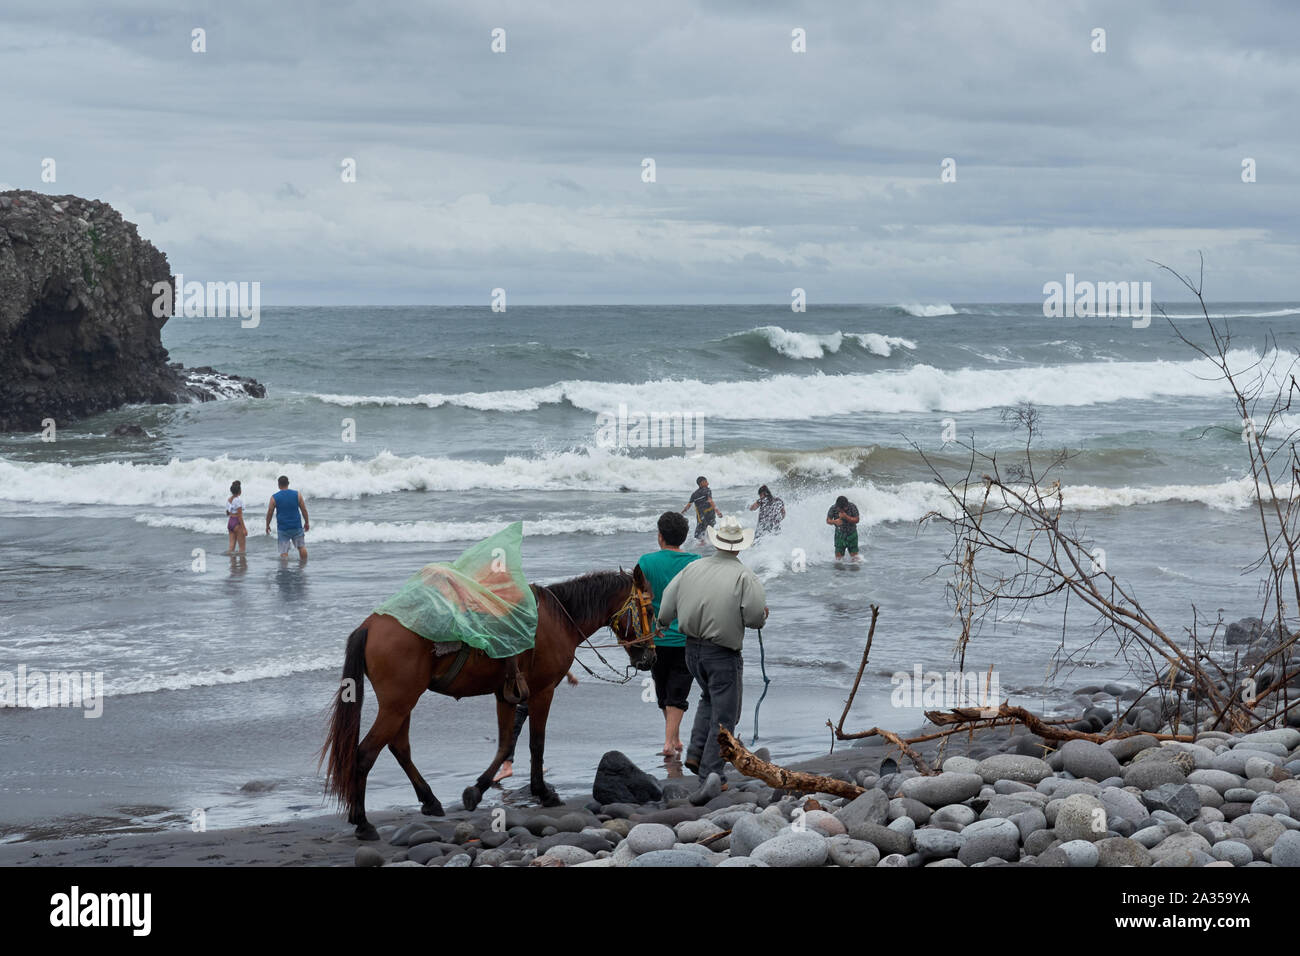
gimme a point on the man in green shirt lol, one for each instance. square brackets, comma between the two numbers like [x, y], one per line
[671, 676]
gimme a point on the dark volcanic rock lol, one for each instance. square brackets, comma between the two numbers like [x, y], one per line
[619, 780]
[78, 334]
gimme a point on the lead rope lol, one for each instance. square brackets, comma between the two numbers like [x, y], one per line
[574, 624]
[762, 666]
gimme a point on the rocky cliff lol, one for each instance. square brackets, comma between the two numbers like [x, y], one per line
[77, 331]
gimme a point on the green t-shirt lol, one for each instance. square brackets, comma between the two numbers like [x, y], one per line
[659, 568]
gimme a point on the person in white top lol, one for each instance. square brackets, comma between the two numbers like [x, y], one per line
[235, 521]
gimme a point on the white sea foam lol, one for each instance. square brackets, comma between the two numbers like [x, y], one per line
[927, 311]
[436, 532]
[202, 481]
[921, 388]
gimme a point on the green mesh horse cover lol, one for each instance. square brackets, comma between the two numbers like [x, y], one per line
[481, 599]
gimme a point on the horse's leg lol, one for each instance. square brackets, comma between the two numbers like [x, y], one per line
[401, 749]
[539, 706]
[384, 729]
[505, 730]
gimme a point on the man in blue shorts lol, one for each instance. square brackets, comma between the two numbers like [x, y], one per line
[285, 505]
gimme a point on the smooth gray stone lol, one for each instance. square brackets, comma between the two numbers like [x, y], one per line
[932, 842]
[1008, 787]
[943, 788]
[914, 810]
[568, 854]
[1038, 841]
[793, 848]
[870, 807]
[1149, 774]
[1019, 767]
[1123, 804]
[1270, 804]
[1081, 817]
[1124, 749]
[957, 813]
[1083, 758]
[1187, 840]
[985, 839]
[710, 788]
[1122, 851]
[893, 859]
[904, 825]
[368, 856]
[1080, 853]
[1286, 851]
[648, 837]
[1260, 831]
[1029, 821]
[741, 861]
[1234, 852]
[888, 842]
[751, 831]
[846, 851]
[659, 858]
[1150, 836]
[1234, 761]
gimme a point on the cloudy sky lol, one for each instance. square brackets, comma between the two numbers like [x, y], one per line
[774, 169]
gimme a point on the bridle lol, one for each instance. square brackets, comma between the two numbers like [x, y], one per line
[644, 625]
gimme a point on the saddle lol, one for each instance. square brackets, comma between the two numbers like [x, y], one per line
[513, 690]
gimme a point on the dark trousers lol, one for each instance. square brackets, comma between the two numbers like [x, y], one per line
[521, 714]
[720, 673]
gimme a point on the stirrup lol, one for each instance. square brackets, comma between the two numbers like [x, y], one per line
[515, 689]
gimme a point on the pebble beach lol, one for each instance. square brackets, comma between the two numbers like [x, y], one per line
[1221, 801]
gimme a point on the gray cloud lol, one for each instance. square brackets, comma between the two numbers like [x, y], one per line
[775, 169]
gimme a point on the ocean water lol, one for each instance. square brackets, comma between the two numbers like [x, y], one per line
[415, 431]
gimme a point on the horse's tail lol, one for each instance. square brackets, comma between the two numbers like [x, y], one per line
[341, 742]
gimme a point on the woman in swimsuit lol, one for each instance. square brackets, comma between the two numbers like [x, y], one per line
[235, 520]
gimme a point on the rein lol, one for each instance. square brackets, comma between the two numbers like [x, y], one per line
[634, 603]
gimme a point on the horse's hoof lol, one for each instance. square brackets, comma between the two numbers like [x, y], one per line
[550, 798]
[433, 809]
[367, 832]
[471, 797]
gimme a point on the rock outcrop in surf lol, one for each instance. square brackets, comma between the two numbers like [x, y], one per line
[78, 334]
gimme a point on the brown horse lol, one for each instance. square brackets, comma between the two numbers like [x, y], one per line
[401, 665]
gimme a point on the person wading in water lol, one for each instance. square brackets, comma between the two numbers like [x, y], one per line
[706, 512]
[285, 505]
[235, 520]
[844, 516]
[771, 512]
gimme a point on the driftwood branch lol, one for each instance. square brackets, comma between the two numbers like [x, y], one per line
[974, 718]
[778, 777]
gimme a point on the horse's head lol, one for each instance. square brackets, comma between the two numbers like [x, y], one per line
[634, 622]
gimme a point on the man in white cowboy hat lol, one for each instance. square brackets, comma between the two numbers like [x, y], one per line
[714, 599]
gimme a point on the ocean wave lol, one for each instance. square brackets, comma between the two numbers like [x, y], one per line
[434, 532]
[202, 481]
[814, 345]
[240, 674]
[926, 311]
[921, 388]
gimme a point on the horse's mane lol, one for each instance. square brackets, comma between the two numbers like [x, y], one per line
[587, 595]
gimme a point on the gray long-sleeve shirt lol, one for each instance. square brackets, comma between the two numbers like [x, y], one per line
[715, 599]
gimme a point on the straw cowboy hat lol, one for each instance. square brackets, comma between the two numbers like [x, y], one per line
[730, 535]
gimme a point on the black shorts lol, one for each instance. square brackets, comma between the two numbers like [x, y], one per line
[672, 679]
